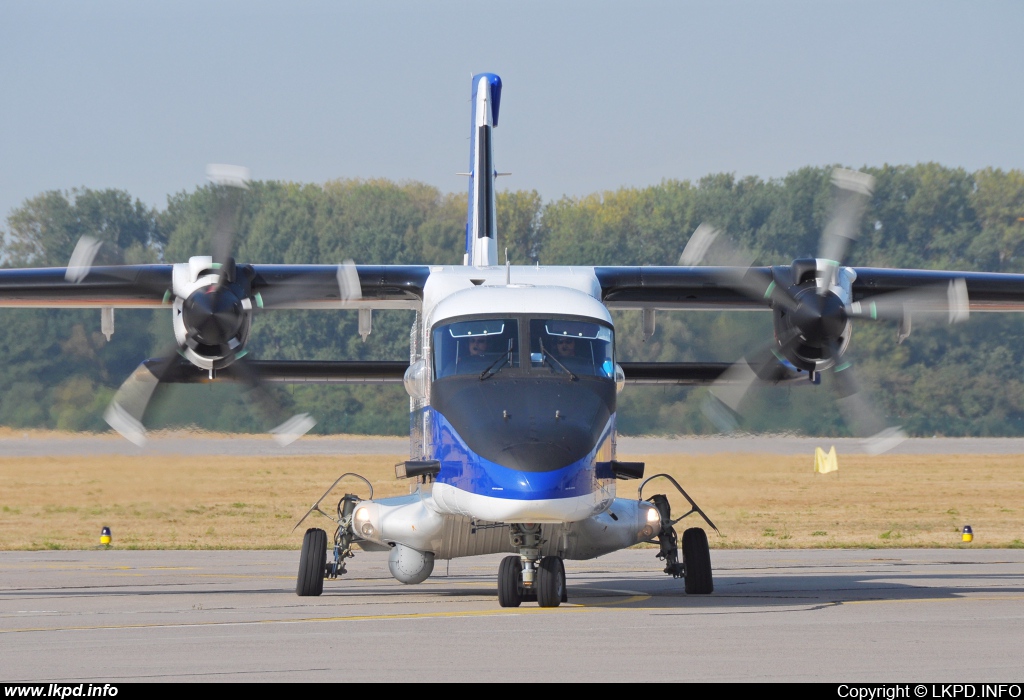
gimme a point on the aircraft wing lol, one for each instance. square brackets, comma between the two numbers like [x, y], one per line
[123, 286]
[987, 291]
[150, 286]
[654, 287]
[316, 286]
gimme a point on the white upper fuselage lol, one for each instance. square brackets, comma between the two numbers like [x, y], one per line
[524, 284]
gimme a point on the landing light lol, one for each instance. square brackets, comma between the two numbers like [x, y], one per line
[362, 522]
[652, 515]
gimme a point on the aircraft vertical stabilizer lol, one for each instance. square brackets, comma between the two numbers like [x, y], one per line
[481, 221]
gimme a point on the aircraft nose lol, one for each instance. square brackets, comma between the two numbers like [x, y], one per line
[525, 423]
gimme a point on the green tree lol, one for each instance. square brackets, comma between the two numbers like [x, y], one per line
[519, 229]
[998, 200]
[45, 229]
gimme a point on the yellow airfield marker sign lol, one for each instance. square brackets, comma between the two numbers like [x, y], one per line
[825, 462]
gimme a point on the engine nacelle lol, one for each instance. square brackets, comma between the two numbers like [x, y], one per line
[820, 323]
[211, 329]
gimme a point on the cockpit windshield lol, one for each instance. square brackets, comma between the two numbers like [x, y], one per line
[578, 347]
[481, 346]
[486, 346]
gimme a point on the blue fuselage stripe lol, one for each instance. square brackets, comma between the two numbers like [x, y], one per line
[462, 468]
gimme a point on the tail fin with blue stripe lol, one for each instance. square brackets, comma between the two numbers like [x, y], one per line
[481, 221]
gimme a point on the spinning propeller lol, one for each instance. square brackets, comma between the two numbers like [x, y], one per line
[213, 309]
[813, 308]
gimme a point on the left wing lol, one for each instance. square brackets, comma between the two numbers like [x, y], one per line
[154, 286]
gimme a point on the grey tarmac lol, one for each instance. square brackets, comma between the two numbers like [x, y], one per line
[776, 615]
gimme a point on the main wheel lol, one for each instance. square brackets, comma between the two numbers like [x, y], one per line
[697, 561]
[510, 579]
[312, 563]
[550, 582]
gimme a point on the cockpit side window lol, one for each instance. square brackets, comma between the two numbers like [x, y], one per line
[475, 346]
[580, 347]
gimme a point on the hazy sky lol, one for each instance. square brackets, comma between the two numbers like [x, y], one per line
[597, 95]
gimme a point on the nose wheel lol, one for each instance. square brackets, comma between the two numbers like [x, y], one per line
[510, 582]
[528, 576]
[548, 585]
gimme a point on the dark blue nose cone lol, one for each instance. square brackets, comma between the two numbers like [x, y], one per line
[527, 423]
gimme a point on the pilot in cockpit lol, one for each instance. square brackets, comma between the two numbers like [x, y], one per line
[565, 346]
[477, 346]
[471, 356]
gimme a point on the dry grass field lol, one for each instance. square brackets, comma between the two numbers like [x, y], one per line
[760, 501]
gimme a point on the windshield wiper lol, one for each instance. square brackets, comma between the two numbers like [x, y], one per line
[505, 359]
[551, 358]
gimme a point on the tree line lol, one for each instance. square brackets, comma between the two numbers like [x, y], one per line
[59, 371]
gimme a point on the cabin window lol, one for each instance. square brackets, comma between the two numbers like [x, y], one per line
[565, 345]
[476, 347]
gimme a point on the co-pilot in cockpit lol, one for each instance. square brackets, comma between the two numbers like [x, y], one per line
[579, 347]
[568, 346]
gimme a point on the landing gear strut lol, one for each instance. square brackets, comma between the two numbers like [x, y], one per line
[528, 577]
[695, 567]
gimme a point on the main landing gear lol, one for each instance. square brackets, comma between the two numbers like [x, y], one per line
[528, 577]
[695, 567]
[313, 564]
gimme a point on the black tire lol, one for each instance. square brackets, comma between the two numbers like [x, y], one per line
[550, 583]
[510, 579]
[312, 563]
[565, 590]
[697, 561]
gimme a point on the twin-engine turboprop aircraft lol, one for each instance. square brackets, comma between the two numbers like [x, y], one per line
[513, 373]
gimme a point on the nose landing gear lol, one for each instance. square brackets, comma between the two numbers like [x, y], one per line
[528, 577]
